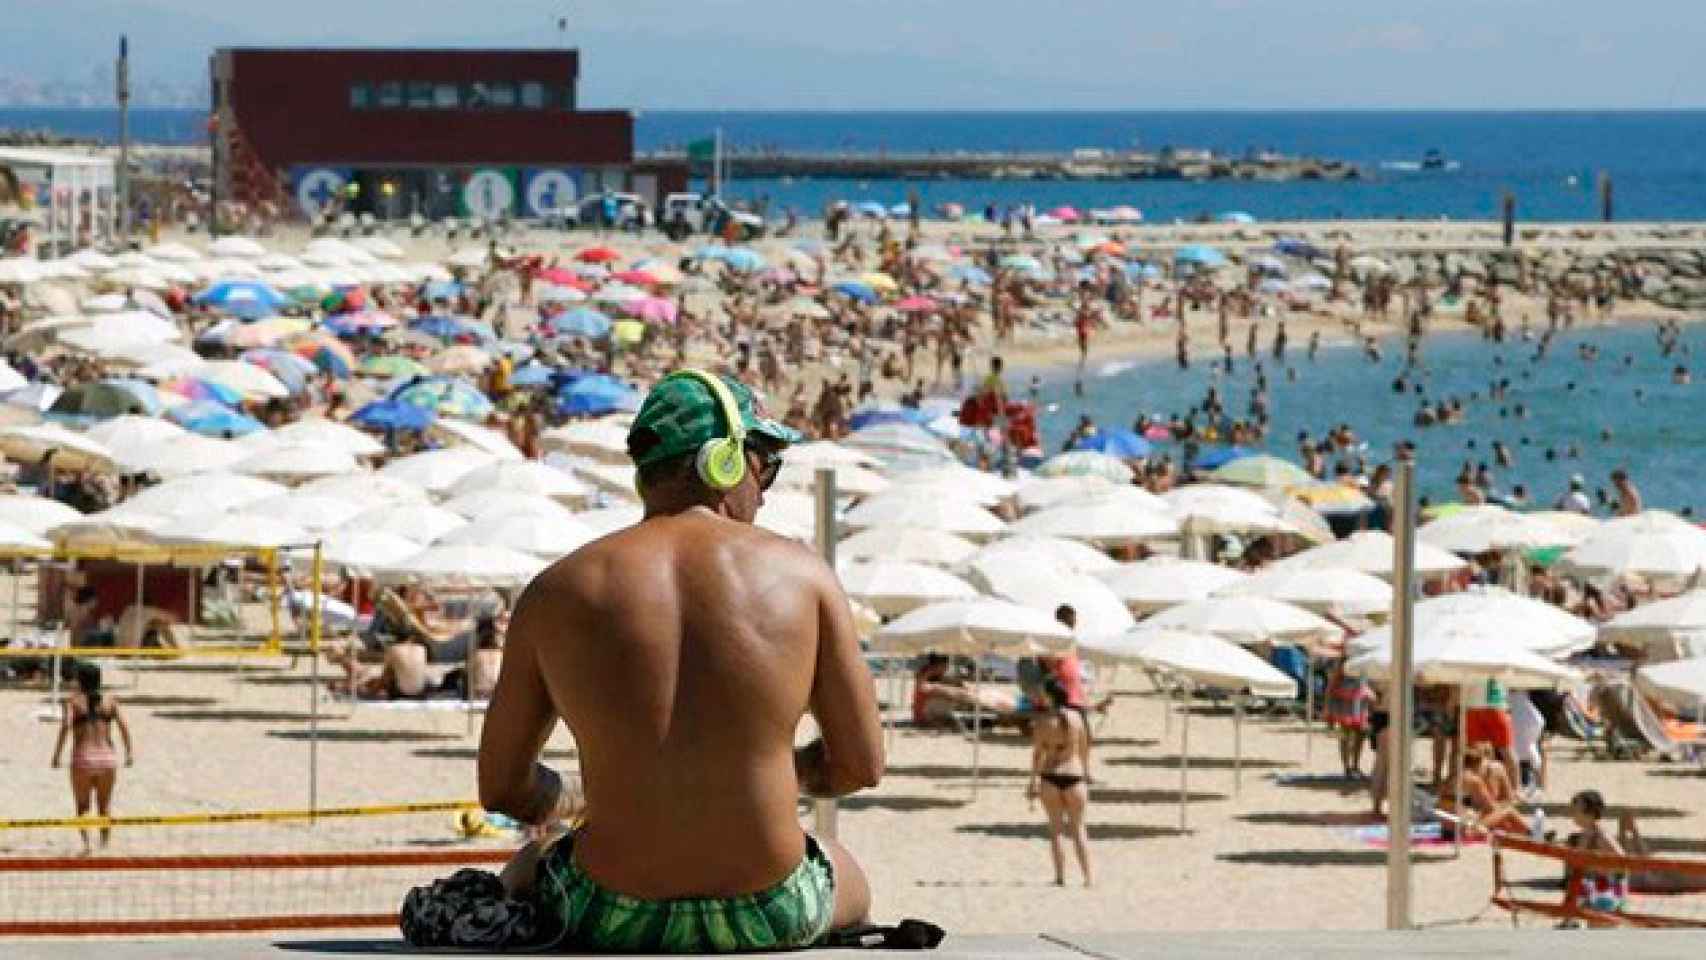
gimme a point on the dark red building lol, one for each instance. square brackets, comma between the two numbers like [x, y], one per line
[486, 133]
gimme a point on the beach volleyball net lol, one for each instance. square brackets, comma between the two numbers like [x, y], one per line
[1655, 892]
[241, 871]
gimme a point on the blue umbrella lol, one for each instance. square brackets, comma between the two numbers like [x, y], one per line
[213, 420]
[743, 259]
[711, 251]
[871, 416]
[1200, 255]
[532, 375]
[581, 322]
[1116, 443]
[872, 210]
[1219, 457]
[447, 328]
[393, 415]
[970, 274]
[861, 292]
[1293, 247]
[597, 394]
[442, 290]
[291, 370]
[250, 299]
[450, 396]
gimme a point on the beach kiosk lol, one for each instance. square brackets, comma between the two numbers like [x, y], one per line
[72, 197]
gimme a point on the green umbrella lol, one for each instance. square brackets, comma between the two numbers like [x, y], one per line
[392, 365]
[1263, 470]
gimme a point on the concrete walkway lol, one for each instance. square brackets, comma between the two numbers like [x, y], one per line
[1481, 944]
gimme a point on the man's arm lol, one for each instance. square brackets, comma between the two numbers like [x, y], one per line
[518, 722]
[844, 702]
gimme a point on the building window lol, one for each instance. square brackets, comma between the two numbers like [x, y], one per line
[568, 101]
[360, 96]
[532, 96]
[390, 96]
[503, 95]
[477, 96]
[420, 96]
[445, 96]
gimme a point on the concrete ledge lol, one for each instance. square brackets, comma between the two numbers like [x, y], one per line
[1481, 944]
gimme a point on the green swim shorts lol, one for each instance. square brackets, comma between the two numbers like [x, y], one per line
[579, 914]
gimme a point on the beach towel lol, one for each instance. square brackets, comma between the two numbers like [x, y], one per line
[1422, 835]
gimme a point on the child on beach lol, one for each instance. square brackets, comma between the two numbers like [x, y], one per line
[1350, 701]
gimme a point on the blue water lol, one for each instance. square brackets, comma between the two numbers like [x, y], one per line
[1660, 438]
[1656, 159]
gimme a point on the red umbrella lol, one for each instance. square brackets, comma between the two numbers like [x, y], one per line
[598, 255]
[916, 304]
[638, 278]
[1064, 214]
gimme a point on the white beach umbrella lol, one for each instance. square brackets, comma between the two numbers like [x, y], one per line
[157, 361]
[71, 451]
[313, 513]
[460, 565]
[1579, 526]
[1105, 522]
[486, 504]
[130, 428]
[172, 252]
[369, 489]
[37, 515]
[1159, 583]
[203, 494]
[1247, 620]
[242, 248]
[1466, 649]
[1087, 463]
[607, 520]
[245, 378]
[179, 456]
[360, 551]
[1680, 683]
[18, 270]
[523, 476]
[985, 488]
[420, 522]
[379, 247]
[237, 529]
[1650, 545]
[297, 462]
[1370, 551]
[120, 525]
[324, 433]
[278, 262]
[11, 379]
[436, 471]
[1100, 612]
[470, 257]
[911, 544]
[893, 587]
[850, 481]
[91, 259]
[1071, 556]
[1040, 493]
[973, 628]
[542, 534]
[1485, 527]
[484, 439]
[1210, 508]
[900, 509]
[1544, 628]
[787, 513]
[1677, 622]
[16, 539]
[616, 479]
[1336, 591]
[599, 439]
[1262, 470]
[826, 453]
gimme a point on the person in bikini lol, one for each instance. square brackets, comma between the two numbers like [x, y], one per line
[682, 653]
[1060, 776]
[88, 721]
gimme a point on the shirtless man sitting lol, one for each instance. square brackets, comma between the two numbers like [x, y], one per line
[682, 653]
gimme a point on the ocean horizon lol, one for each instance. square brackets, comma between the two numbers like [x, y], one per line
[1550, 160]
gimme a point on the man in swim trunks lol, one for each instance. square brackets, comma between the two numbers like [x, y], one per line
[682, 653]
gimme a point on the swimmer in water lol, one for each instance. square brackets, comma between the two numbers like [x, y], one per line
[1680, 376]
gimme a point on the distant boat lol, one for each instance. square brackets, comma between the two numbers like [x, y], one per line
[1433, 160]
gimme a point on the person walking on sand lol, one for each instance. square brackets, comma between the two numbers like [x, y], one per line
[1060, 776]
[682, 653]
[87, 720]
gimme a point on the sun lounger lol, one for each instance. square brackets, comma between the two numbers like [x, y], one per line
[1632, 727]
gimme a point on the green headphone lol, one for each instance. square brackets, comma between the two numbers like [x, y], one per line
[721, 461]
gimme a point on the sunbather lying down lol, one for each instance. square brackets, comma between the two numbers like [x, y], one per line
[1653, 881]
[936, 697]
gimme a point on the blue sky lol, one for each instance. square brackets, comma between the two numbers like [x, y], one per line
[934, 54]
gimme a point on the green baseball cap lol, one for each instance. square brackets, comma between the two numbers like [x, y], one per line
[683, 413]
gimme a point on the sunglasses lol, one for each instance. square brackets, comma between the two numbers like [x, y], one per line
[769, 465]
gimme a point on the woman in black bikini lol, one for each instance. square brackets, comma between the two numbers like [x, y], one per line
[1060, 775]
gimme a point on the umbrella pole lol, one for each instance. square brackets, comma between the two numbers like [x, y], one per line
[1237, 745]
[1308, 707]
[1457, 786]
[315, 629]
[1184, 763]
[976, 727]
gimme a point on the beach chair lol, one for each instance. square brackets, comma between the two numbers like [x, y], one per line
[1632, 728]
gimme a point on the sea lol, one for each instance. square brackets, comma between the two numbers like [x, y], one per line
[1577, 416]
[1550, 161]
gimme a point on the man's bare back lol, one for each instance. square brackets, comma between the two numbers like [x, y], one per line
[681, 653]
